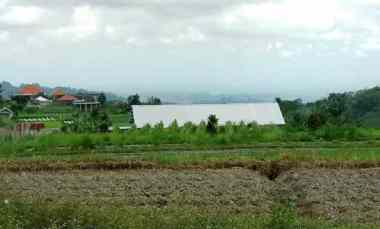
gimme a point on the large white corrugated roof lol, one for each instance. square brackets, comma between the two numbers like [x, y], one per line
[261, 113]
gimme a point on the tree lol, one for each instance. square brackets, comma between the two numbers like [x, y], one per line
[134, 100]
[94, 122]
[316, 120]
[212, 124]
[289, 108]
[366, 101]
[154, 101]
[337, 104]
[102, 98]
[1, 93]
[21, 100]
[104, 122]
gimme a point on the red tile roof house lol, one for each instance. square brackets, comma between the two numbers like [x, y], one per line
[31, 91]
[58, 93]
[28, 93]
[67, 99]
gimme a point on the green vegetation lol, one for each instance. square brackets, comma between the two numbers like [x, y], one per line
[120, 120]
[336, 132]
[18, 214]
[230, 134]
[5, 122]
[361, 108]
[343, 156]
[96, 121]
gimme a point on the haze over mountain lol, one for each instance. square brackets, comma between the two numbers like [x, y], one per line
[10, 90]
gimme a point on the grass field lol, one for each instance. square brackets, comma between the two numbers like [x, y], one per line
[42, 215]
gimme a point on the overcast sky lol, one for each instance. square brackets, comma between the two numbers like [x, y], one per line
[283, 47]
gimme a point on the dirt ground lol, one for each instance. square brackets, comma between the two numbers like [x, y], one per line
[352, 195]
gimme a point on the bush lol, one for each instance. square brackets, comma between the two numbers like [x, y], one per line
[283, 217]
[86, 142]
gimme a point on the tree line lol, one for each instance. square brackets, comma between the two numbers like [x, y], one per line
[361, 108]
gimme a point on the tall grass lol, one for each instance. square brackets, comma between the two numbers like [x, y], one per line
[189, 134]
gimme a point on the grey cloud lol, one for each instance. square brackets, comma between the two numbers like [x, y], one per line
[189, 42]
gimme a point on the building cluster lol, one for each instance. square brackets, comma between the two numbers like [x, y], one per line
[34, 95]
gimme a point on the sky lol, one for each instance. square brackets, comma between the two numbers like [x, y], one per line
[284, 47]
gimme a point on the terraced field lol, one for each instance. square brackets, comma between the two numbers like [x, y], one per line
[337, 187]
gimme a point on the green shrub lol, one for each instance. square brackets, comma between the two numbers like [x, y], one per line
[283, 217]
[86, 142]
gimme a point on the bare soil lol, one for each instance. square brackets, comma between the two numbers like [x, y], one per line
[338, 194]
[350, 195]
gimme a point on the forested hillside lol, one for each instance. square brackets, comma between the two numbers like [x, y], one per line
[351, 108]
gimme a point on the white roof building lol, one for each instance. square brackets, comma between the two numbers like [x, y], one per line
[41, 99]
[261, 113]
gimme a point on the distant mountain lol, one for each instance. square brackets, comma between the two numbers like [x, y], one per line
[167, 98]
[207, 98]
[10, 90]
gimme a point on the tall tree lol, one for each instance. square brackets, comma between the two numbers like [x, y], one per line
[134, 100]
[212, 124]
[154, 101]
[1, 93]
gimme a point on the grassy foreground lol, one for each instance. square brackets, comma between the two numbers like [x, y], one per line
[22, 215]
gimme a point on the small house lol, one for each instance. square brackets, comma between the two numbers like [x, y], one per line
[6, 112]
[31, 91]
[40, 100]
[67, 100]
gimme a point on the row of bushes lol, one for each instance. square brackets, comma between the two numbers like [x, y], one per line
[189, 134]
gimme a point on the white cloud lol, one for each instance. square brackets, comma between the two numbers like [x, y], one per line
[277, 24]
[192, 34]
[269, 47]
[3, 3]
[360, 54]
[134, 41]
[371, 44]
[22, 15]
[111, 32]
[4, 36]
[286, 53]
[337, 35]
[189, 35]
[84, 24]
[286, 16]
[279, 44]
